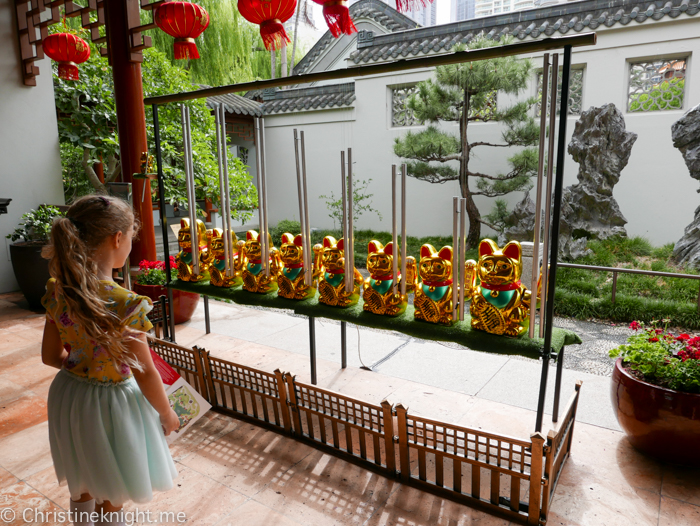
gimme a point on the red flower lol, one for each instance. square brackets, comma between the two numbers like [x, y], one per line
[635, 326]
[683, 337]
[658, 331]
[654, 339]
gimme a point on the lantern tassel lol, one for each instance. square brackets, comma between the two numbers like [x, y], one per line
[273, 34]
[185, 48]
[338, 19]
[68, 71]
[403, 6]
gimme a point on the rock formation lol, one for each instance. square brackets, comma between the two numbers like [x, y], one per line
[685, 133]
[602, 146]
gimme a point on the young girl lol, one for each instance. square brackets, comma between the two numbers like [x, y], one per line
[108, 411]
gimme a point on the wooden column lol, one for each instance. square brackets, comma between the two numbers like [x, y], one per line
[131, 116]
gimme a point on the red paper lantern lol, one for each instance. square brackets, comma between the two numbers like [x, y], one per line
[270, 15]
[337, 17]
[411, 5]
[68, 50]
[185, 22]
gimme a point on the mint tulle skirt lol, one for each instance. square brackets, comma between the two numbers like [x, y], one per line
[107, 440]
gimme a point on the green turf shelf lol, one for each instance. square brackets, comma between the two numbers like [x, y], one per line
[460, 332]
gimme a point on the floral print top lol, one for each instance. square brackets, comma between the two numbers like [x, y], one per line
[85, 358]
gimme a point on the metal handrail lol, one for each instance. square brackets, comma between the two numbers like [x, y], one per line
[616, 270]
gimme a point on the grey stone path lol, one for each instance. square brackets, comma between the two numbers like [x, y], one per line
[511, 380]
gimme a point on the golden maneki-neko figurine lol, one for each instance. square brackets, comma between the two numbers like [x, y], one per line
[217, 269]
[185, 264]
[433, 298]
[500, 304]
[331, 287]
[255, 279]
[291, 279]
[378, 291]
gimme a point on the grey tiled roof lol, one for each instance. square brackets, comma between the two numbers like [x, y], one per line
[236, 104]
[579, 16]
[315, 98]
[375, 10]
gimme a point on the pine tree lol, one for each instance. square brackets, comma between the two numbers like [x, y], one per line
[466, 93]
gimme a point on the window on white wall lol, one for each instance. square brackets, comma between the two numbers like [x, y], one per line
[401, 114]
[575, 90]
[657, 85]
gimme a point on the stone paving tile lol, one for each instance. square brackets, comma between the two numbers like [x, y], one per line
[28, 507]
[252, 513]
[677, 513]
[26, 452]
[21, 413]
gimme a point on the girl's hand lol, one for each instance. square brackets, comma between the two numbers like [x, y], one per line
[170, 422]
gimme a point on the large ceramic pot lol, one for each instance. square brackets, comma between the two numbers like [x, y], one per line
[31, 271]
[184, 303]
[661, 422]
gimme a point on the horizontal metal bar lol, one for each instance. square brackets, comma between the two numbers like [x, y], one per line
[630, 271]
[469, 55]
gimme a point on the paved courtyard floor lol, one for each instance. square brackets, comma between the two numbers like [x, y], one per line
[235, 473]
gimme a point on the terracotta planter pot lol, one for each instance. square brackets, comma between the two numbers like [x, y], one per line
[184, 303]
[662, 423]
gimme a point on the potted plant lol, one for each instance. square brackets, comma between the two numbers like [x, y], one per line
[31, 270]
[151, 281]
[656, 392]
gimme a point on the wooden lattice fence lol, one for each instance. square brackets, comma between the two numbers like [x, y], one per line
[511, 477]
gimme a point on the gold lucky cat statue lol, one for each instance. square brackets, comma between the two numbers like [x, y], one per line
[433, 298]
[500, 303]
[254, 278]
[331, 286]
[291, 279]
[185, 267]
[217, 269]
[378, 294]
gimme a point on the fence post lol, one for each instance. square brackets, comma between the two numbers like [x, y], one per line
[536, 480]
[292, 394]
[614, 286]
[388, 418]
[284, 401]
[203, 375]
[698, 301]
[404, 456]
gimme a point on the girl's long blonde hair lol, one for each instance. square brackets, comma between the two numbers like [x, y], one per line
[74, 239]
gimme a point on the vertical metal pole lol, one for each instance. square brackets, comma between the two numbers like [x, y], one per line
[558, 189]
[462, 254]
[538, 199]
[191, 199]
[343, 345]
[614, 286]
[394, 239]
[546, 255]
[226, 197]
[312, 348]
[306, 238]
[164, 317]
[300, 194]
[350, 242]
[222, 188]
[455, 248]
[266, 239]
[261, 211]
[163, 220]
[344, 196]
[207, 320]
[404, 255]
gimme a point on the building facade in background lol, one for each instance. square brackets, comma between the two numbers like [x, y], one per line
[462, 10]
[496, 7]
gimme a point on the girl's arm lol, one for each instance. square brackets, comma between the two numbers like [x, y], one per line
[150, 383]
[52, 351]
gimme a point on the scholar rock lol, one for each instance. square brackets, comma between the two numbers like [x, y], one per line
[685, 133]
[602, 146]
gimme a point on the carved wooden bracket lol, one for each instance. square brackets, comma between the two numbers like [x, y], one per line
[35, 16]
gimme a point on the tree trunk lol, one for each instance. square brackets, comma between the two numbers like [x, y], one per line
[88, 167]
[472, 211]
